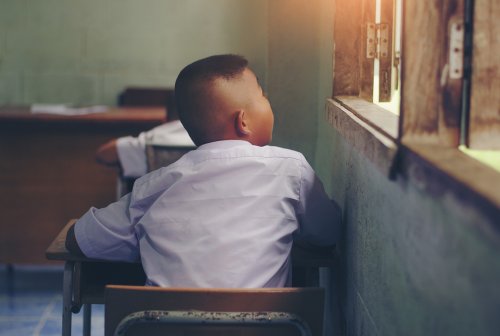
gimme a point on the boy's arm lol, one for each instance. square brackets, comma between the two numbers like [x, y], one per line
[71, 243]
[306, 245]
[320, 218]
[127, 154]
[107, 154]
[131, 155]
[107, 233]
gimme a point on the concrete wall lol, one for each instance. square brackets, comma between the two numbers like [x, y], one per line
[87, 51]
[416, 258]
[413, 261]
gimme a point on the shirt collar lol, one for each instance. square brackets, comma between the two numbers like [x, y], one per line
[224, 144]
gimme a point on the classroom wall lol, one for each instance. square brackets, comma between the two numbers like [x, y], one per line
[87, 51]
[296, 71]
[416, 259]
[413, 260]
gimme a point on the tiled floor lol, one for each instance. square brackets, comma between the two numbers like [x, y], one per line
[31, 303]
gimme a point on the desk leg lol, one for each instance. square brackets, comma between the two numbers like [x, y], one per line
[326, 283]
[87, 314]
[67, 298]
[10, 279]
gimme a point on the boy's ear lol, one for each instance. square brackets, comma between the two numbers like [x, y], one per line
[241, 124]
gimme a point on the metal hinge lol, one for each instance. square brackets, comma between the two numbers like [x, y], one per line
[454, 68]
[377, 40]
[456, 52]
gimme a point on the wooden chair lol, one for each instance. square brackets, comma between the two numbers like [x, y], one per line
[138, 310]
[140, 96]
[158, 156]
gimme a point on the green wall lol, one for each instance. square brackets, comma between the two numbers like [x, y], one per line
[296, 57]
[411, 262]
[87, 51]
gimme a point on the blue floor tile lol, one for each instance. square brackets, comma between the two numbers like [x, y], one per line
[30, 278]
[18, 327]
[31, 303]
[20, 304]
[53, 328]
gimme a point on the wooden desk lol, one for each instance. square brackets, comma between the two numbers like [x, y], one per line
[48, 172]
[85, 279]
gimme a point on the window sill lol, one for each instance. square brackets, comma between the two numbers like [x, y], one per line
[377, 117]
[438, 170]
[372, 131]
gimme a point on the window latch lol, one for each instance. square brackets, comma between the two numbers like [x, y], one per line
[377, 40]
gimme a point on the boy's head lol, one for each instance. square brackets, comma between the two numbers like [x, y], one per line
[219, 98]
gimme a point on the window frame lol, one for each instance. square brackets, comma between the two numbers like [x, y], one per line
[424, 144]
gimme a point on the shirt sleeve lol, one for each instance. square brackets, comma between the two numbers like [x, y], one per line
[108, 233]
[319, 217]
[171, 134]
[132, 150]
[132, 155]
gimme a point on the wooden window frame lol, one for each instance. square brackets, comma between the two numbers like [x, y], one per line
[422, 143]
[354, 72]
[484, 116]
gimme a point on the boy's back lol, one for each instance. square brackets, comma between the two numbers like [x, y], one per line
[227, 210]
[224, 215]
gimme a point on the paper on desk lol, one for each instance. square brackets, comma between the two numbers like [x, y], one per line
[62, 109]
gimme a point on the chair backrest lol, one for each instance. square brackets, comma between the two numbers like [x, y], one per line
[121, 301]
[158, 156]
[138, 96]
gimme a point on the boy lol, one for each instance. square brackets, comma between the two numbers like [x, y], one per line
[225, 214]
[128, 154]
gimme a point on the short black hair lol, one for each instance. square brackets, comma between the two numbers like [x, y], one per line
[192, 89]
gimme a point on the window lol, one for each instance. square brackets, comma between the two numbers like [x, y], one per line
[448, 84]
[481, 126]
[367, 60]
[443, 102]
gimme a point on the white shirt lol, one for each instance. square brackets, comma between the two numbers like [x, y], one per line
[132, 150]
[223, 215]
